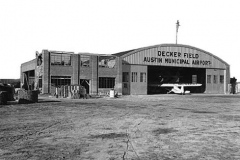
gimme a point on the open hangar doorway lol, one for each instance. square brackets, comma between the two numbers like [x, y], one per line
[158, 75]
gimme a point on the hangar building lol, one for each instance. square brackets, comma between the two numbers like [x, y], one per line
[139, 71]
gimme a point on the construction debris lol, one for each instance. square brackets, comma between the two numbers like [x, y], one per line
[27, 96]
[71, 91]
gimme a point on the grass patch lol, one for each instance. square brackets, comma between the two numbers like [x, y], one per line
[109, 135]
[159, 131]
[230, 117]
[195, 111]
[185, 109]
[203, 112]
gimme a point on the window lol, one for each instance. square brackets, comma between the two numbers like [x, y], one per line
[85, 60]
[221, 79]
[209, 79]
[125, 77]
[31, 73]
[40, 82]
[106, 82]
[142, 77]
[66, 59]
[60, 80]
[194, 79]
[215, 79]
[107, 61]
[60, 59]
[134, 76]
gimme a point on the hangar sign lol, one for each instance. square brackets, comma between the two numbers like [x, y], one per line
[167, 57]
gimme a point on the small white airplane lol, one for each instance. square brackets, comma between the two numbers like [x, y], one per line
[180, 90]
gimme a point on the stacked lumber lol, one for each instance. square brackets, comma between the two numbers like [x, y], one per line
[71, 91]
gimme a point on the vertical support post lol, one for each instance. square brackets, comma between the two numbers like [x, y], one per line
[94, 76]
[177, 26]
[75, 62]
[176, 37]
[46, 72]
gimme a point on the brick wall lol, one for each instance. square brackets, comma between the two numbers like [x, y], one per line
[46, 70]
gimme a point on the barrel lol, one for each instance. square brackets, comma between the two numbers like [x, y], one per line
[111, 93]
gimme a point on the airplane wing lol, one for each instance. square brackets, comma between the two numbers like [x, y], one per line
[176, 86]
[180, 85]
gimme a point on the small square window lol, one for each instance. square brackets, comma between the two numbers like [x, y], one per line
[125, 77]
[209, 79]
[134, 76]
[85, 60]
[142, 77]
[221, 79]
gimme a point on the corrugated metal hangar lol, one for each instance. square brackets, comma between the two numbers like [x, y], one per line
[149, 70]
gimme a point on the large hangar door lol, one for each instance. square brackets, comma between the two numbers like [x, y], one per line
[158, 75]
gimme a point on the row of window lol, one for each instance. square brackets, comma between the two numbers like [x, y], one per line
[143, 77]
[104, 82]
[85, 60]
[215, 79]
[107, 61]
[60, 59]
[65, 60]
[109, 82]
[60, 80]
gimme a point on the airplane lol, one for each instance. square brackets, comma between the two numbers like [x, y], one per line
[171, 83]
[180, 90]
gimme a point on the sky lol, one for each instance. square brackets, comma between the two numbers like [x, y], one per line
[111, 26]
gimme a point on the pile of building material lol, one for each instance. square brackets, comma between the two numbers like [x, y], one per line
[71, 91]
[27, 96]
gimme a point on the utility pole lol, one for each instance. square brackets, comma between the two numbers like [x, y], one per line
[177, 26]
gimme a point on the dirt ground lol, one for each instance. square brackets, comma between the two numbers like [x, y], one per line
[152, 127]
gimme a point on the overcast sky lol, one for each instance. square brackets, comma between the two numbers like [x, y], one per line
[111, 26]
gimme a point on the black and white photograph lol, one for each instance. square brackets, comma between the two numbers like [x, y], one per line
[119, 80]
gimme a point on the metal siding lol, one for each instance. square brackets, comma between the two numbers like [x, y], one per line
[155, 51]
[194, 51]
[191, 51]
[135, 58]
[138, 57]
[132, 58]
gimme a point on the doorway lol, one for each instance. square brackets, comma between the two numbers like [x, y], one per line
[85, 83]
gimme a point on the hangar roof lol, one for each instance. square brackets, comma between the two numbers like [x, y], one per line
[130, 52]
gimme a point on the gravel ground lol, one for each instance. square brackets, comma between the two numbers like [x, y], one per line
[193, 127]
